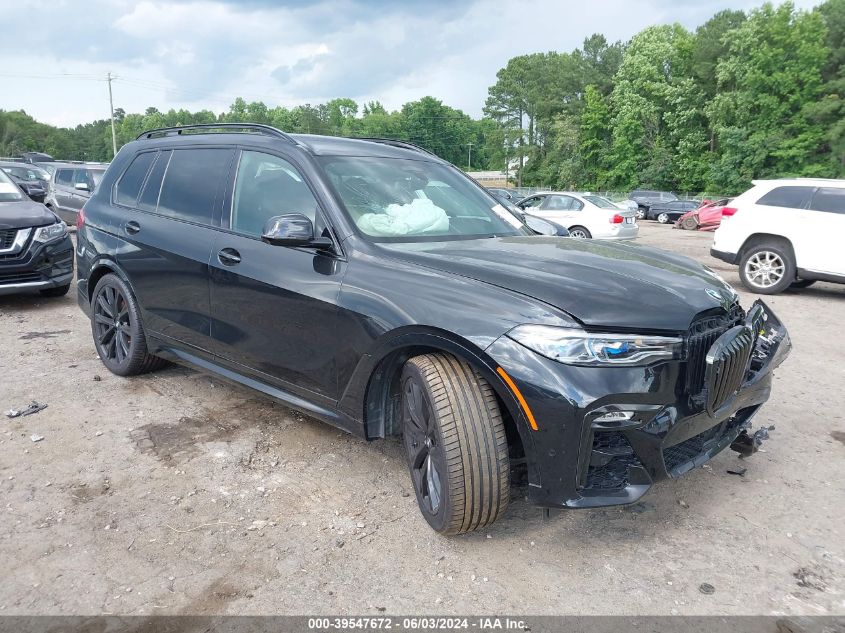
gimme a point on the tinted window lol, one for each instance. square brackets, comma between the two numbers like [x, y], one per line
[558, 203]
[268, 186]
[191, 183]
[64, 177]
[829, 199]
[149, 197]
[132, 180]
[791, 197]
[531, 202]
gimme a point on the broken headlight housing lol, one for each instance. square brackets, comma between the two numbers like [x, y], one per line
[49, 233]
[577, 347]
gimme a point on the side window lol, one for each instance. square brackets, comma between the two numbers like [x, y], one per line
[557, 203]
[191, 183]
[64, 177]
[81, 176]
[149, 196]
[830, 199]
[130, 183]
[531, 202]
[575, 205]
[267, 186]
[790, 197]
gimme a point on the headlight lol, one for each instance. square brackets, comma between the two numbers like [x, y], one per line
[47, 233]
[577, 347]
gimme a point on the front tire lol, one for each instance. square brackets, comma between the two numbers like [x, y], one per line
[767, 268]
[116, 327]
[663, 218]
[455, 443]
[580, 233]
[641, 213]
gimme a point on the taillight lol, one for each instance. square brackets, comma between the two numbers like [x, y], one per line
[617, 219]
[728, 211]
[80, 219]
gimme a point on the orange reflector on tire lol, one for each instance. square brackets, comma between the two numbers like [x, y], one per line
[522, 403]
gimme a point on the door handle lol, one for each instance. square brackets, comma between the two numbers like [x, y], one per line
[229, 257]
[132, 227]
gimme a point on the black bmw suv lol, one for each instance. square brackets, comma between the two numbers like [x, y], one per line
[370, 284]
[36, 253]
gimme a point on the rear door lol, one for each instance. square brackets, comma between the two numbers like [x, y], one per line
[827, 212]
[561, 208]
[275, 308]
[783, 211]
[63, 194]
[167, 240]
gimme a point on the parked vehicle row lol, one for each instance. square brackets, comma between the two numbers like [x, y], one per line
[31, 179]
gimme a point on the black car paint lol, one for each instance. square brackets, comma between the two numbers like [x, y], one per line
[674, 209]
[35, 266]
[326, 331]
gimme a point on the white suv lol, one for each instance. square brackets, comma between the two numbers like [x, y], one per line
[785, 233]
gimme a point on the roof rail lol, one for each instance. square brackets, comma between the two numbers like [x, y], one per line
[397, 143]
[223, 128]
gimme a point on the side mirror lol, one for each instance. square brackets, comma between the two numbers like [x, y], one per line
[81, 186]
[292, 229]
[544, 227]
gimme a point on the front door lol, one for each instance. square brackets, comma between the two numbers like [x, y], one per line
[825, 220]
[274, 308]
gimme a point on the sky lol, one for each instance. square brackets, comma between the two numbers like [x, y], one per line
[202, 54]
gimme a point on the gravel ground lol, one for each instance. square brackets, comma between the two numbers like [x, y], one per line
[175, 493]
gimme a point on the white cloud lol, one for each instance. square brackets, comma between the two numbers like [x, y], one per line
[203, 54]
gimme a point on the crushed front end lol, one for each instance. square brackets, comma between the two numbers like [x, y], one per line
[606, 434]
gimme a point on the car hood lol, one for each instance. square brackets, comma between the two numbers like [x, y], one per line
[600, 283]
[24, 213]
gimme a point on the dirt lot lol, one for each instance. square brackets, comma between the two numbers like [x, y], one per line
[176, 493]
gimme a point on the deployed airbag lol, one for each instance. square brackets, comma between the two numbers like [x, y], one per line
[420, 216]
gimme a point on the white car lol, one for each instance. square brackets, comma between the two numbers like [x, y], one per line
[785, 233]
[586, 216]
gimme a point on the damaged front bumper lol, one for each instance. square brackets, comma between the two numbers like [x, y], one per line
[605, 435]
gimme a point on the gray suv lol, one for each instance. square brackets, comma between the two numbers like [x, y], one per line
[71, 186]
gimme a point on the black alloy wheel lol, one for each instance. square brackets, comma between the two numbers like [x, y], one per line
[116, 327]
[455, 444]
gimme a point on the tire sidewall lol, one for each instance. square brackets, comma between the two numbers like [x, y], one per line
[587, 234]
[663, 218]
[788, 272]
[135, 330]
[438, 521]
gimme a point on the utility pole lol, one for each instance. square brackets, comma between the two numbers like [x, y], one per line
[109, 79]
[469, 157]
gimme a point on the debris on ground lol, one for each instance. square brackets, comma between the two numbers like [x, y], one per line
[809, 578]
[34, 407]
[683, 503]
[36, 438]
[706, 588]
[737, 471]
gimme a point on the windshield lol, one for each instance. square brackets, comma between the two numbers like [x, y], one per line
[601, 203]
[396, 199]
[8, 190]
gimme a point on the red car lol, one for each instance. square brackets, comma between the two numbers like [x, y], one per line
[706, 217]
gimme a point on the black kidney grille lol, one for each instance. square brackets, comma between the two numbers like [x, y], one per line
[727, 364]
[702, 334]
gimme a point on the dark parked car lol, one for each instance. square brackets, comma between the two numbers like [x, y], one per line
[511, 196]
[645, 198]
[37, 157]
[670, 211]
[71, 187]
[375, 286]
[31, 179]
[35, 250]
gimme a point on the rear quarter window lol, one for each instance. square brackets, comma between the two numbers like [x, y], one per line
[829, 199]
[788, 197]
[130, 183]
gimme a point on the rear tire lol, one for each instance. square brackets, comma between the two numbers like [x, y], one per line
[580, 233]
[455, 444]
[58, 291]
[641, 213]
[663, 218]
[767, 268]
[690, 224]
[117, 330]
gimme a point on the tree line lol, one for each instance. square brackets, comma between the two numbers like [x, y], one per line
[746, 95]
